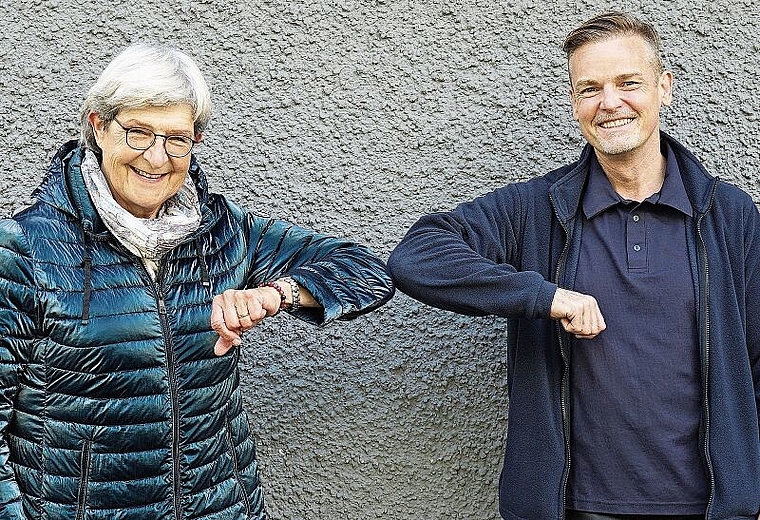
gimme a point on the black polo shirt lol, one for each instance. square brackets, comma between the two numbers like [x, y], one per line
[636, 388]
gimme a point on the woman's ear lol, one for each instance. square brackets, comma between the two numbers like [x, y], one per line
[98, 126]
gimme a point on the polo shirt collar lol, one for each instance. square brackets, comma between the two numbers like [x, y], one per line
[600, 195]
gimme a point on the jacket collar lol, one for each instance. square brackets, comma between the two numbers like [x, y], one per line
[567, 191]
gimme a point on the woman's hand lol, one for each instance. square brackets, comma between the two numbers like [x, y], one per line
[236, 311]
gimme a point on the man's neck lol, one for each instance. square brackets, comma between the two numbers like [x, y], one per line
[636, 175]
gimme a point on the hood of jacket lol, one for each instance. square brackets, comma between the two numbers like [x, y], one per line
[63, 187]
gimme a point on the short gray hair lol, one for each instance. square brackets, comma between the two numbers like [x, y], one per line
[144, 75]
[610, 25]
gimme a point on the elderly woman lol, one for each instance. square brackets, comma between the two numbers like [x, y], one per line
[123, 289]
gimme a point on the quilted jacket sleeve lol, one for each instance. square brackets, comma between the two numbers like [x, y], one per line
[16, 334]
[346, 278]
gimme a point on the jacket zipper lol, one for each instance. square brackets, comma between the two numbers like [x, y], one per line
[173, 391]
[565, 383]
[84, 476]
[236, 467]
[705, 363]
[705, 312]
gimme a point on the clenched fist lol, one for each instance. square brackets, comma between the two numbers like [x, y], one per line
[578, 313]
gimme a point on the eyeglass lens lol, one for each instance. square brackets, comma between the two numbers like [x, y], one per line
[175, 145]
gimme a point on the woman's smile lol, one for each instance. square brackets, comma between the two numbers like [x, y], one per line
[142, 180]
[148, 176]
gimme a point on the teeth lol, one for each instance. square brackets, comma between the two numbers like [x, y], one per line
[147, 175]
[616, 123]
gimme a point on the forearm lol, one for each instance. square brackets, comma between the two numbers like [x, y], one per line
[336, 278]
[294, 296]
[440, 263]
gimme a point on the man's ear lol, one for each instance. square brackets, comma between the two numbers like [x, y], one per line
[666, 87]
[571, 95]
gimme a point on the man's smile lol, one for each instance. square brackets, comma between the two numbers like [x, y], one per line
[614, 123]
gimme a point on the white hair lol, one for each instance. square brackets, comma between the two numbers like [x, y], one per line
[144, 75]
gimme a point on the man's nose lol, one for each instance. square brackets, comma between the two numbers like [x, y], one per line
[611, 98]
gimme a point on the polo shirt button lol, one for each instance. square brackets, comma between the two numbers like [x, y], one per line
[637, 247]
[635, 218]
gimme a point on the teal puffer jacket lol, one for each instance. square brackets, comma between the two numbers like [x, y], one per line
[112, 402]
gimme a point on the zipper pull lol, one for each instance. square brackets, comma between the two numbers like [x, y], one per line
[161, 307]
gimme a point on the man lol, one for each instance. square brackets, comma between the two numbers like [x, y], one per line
[631, 280]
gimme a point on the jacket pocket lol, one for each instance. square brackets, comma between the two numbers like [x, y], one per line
[236, 466]
[84, 477]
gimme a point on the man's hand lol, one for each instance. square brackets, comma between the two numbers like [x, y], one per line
[234, 312]
[578, 313]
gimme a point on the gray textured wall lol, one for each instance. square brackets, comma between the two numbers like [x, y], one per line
[354, 117]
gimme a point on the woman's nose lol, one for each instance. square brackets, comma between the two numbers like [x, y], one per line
[156, 154]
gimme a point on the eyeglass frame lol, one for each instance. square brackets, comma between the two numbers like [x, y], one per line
[193, 142]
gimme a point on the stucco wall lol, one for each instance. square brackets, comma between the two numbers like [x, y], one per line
[355, 117]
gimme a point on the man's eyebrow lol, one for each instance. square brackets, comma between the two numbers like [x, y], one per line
[620, 77]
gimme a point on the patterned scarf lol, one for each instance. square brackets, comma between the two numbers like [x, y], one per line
[149, 239]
